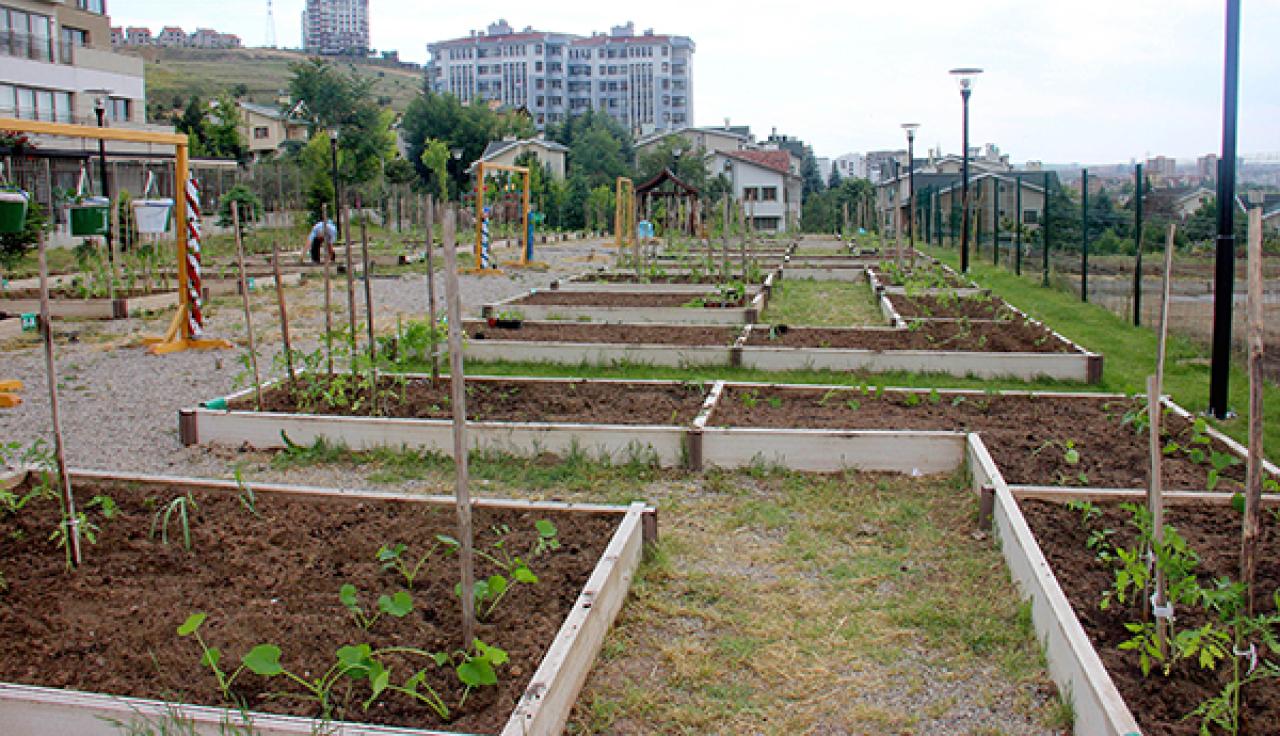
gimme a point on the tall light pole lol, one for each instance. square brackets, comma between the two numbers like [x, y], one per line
[911, 181]
[965, 76]
[100, 109]
[1225, 261]
[456, 153]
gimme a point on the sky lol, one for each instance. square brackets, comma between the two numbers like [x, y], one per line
[1065, 81]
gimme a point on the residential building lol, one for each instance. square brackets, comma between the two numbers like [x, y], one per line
[137, 36]
[549, 153]
[175, 37]
[171, 36]
[267, 129]
[1207, 168]
[993, 197]
[848, 166]
[1177, 202]
[881, 165]
[337, 27]
[707, 141]
[1162, 167]
[767, 184]
[117, 36]
[643, 81]
[938, 180]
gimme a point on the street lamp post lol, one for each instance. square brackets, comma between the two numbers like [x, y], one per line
[1225, 251]
[100, 109]
[965, 76]
[911, 182]
[456, 153]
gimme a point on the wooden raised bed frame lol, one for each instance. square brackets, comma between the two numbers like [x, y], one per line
[93, 308]
[543, 709]
[617, 315]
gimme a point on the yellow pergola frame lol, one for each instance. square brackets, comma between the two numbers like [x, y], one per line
[624, 217]
[178, 337]
[482, 168]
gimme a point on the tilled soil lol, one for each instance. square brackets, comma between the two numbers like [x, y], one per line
[931, 274]
[1213, 532]
[1016, 336]
[670, 278]
[580, 402]
[69, 293]
[110, 627]
[1026, 435]
[951, 307]
[615, 299]
[590, 332]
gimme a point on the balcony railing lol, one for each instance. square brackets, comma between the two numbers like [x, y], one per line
[36, 48]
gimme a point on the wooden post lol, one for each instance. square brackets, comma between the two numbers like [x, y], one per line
[1155, 504]
[457, 379]
[1253, 473]
[1163, 335]
[326, 255]
[747, 223]
[69, 518]
[368, 310]
[351, 283]
[248, 314]
[284, 313]
[724, 261]
[431, 296]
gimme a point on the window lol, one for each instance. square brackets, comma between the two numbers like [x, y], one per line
[261, 132]
[35, 104]
[1030, 217]
[751, 194]
[118, 109]
[74, 36]
[93, 6]
[537, 67]
[769, 194]
[25, 35]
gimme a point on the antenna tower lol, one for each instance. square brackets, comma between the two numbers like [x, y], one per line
[271, 26]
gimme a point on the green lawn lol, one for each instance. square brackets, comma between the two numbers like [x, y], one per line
[823, 304]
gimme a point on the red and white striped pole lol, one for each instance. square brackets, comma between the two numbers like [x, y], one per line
[195, 318]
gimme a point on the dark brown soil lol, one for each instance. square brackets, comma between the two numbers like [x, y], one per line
[927, 273]
[911, 307]
[508, 401]
[985, 337]
[590, 332]
[1014, 428]
[110, 627]
[611, 299]
[670, 278]
[69, 293]
[835, 262]
[1157, 702]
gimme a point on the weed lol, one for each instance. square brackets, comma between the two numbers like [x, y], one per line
[178, 510]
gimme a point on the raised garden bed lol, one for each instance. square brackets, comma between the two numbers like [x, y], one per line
[594, 343]
[1160, 705]
[707, 307]
[68, 304]
[101, 643]
[927, 306]
[230, 285]
[616, 419]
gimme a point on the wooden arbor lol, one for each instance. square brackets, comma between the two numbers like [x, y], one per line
[186, 332]
[678, 197]
[484, 263]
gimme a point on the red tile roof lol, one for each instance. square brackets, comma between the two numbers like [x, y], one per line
[601, 40]
[508, 38]
[779, 161]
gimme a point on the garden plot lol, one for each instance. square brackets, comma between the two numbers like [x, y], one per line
[686, 282]
[266, 565]
[613, 419]
[593, 343]
[68, 303]
[951, 306]
[728, 306]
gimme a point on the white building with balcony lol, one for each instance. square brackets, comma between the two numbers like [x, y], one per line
[767, 184]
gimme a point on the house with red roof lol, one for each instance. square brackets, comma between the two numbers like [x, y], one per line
[766, 183]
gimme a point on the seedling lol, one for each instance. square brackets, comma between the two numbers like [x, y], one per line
[179, 510]
[398, 605]
[827, 396]
[751, 398]
[513, 568]
[393, 558]
[775, 402]
[245, 495]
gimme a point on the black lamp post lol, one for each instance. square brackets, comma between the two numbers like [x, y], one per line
[911, 181]
[1224, 262]
[965, 77]
[333, 159]
[456, 153]
[100, 109]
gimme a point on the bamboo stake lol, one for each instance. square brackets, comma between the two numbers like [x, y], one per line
[1253, 473]
[457, 378]
[284, 313]
[69, 520]
[327, 257]
[368, 310]
[431, 296]
[351, 284]
[1164, 305]
[1155, 502]
[248, 314]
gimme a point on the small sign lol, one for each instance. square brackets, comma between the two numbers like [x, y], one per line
[30, 322]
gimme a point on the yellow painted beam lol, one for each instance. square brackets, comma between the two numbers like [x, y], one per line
[41, 127]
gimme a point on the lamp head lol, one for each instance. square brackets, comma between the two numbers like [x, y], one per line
[99, 98]
[965, 77]
[911, 129]
[333, 133]
[456, 152]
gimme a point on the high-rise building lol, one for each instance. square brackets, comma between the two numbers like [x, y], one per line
[336, 27]
[644, 81]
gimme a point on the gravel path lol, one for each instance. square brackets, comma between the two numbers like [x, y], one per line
[119, 404]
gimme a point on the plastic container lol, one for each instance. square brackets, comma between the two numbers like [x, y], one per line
[13, 210]
[153, 216]
[92, 216]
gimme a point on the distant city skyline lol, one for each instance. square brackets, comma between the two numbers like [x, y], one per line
[1091, 82]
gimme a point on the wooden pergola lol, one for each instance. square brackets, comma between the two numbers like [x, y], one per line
[678, 196]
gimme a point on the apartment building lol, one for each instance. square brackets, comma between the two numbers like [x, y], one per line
[175, 37]
[336, 27]
[57, 61]
[644, 81]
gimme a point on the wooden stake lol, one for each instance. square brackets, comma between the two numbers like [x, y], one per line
[327, 257]
[368, 310]
[1155, 503]
[1253, 474]
[351, 285]
[457, 377]
[724, 261]
[431, 296]
[1162, 337]
[248, 314]
[284, 313]
[748, 241]
[69, 520]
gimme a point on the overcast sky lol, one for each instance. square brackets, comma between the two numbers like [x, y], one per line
[1092, 81]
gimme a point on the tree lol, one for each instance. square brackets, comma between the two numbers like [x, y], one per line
[810, 174]
[468, 127]
[435, 158]
[833, 181]
[213, 130]
[344, 100]
[599, 147]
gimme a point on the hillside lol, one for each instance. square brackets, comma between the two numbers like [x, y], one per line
[174, 75]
